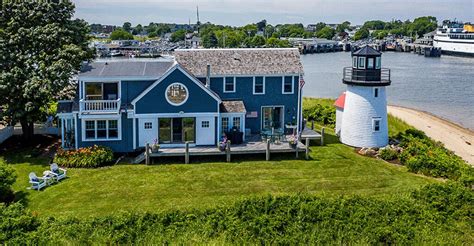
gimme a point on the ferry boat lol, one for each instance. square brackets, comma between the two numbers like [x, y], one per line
[455, 38]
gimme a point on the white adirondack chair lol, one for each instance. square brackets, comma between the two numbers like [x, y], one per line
[57, 172]
[36, 182]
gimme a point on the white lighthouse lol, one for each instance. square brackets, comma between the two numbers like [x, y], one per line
[364, 108]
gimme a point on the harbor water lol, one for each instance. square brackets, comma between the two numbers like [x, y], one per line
[441, 86]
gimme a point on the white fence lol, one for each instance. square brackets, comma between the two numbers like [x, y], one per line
[6, 133]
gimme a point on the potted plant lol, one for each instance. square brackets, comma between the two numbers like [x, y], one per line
[155, 147]
[293, 141]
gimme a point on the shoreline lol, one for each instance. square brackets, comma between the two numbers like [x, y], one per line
[455, 137]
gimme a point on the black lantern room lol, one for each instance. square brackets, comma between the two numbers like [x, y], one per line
[367, 69]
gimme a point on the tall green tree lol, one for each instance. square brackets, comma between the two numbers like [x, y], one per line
[42, 48]
[326, 32]
[120, 34]
[127, 26]
[361, 34]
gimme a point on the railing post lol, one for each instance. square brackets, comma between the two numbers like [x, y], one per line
[227, 151]
[147, 154]
[322, 136]
[307, 149]
[186, 153]
[267, 156]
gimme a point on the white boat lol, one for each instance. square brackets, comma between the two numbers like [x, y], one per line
[455, 39]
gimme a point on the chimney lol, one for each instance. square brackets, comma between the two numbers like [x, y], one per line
[208, 75]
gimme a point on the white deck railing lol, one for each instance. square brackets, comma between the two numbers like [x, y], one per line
[100, 106]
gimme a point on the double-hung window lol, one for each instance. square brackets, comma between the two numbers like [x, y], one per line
[259, 85]
[378, 62]
[101, 130]
[288, 85]
[229, 84]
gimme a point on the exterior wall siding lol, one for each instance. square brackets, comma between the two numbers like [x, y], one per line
[122, 146]
[273, 96]
[155, 102]
[360, 108]
[131, 89]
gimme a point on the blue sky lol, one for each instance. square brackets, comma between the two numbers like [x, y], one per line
[239, 12]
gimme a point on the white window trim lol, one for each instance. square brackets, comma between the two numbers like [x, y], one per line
[83, 130]
[223, 84]
[373, 124]
[82, 86]
[359, 65]
[264, 82]
[292, 85]
[177, 104]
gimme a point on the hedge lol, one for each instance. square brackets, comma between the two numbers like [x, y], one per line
[435, 214]
[89, 157]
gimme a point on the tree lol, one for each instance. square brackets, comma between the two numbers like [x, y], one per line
[127, 26]
[137, 30]
[380, 34]
[7, 178]
[96, 28]
[326, 32]
[319, 26]
[361, 34]
[261, 25]
[346, 25]
[210, 40]
[120, 34]
[422, 25]
[42, 48]
[179, 35]
[258, 41]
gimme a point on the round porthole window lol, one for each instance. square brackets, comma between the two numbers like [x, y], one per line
[176, 94]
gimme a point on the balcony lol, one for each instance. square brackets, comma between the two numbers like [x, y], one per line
[99, 106]
[369, 77]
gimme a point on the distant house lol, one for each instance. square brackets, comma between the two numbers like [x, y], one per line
[196, 98]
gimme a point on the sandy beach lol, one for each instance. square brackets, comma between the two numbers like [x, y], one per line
[455, 138]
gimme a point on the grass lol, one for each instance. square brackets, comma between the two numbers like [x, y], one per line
[334, 169]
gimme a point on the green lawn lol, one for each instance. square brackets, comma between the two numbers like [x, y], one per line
[334, 169]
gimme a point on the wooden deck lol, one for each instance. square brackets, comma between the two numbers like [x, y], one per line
[252, 145]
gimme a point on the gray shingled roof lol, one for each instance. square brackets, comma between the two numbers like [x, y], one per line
[127, 68]
[241, 61]
[232, 107]
[367, 51]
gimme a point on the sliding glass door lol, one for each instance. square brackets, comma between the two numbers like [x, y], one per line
[272, 117]
[177, 130]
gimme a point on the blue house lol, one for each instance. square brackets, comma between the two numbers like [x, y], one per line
[198, 97]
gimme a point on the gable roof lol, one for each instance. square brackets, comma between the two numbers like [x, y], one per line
[125, 68]
[232, 107]
[367, 51]
[341, 101]
[241, 61]
[190, 76]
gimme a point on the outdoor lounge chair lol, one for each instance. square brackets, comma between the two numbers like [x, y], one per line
[57, 172]
[36, 182]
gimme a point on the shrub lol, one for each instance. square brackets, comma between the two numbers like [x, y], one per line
[15, 224]
[388, 154]
[89, 157]
[325, 115]
[7, 178]
[423, 155]
[436, 214]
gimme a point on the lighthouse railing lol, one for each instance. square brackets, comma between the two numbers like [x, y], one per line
[366, 76]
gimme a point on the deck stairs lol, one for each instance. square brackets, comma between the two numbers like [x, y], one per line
[140, 158]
